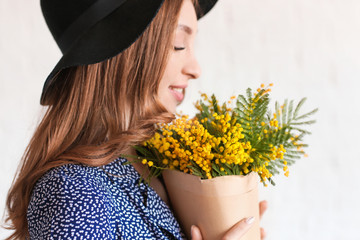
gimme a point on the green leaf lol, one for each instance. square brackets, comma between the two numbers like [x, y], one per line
[304, 123]
[297, 109]
[143, 151]
[290, 111]
[249, 94]
[307, 114]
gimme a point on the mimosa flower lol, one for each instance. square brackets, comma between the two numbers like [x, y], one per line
[229, 138]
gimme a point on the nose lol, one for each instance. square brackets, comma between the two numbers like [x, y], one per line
[192, 68]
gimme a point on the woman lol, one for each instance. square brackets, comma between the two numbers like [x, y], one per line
[125, 67]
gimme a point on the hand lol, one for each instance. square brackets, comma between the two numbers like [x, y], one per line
[238, 230]
[262, 208]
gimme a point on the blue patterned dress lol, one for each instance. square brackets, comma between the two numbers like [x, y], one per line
[82, 202]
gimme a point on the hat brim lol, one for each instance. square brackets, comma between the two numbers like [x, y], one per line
[205, 7]
[110, 37]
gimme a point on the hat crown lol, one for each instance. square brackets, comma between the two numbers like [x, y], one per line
[60, 14]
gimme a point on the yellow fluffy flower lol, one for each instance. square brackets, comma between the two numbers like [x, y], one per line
[221, 141]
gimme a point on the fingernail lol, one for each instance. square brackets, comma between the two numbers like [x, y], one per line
[191, 230]
[250, 220]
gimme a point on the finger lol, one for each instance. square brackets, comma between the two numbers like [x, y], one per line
[195, 233]
[263, 205]
[262, 233]
[239, 229]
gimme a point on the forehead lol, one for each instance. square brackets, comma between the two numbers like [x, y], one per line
[187, 17]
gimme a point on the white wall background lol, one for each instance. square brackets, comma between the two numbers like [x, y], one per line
[307, 48]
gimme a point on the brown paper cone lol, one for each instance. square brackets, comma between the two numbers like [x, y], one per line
[214, 205]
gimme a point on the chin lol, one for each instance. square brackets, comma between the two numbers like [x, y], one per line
[171, 108]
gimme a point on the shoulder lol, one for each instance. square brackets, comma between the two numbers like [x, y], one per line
[69, 197]
[69, 181]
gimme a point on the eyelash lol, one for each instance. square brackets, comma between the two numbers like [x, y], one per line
[178, 48]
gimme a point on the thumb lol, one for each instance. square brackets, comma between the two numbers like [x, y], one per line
[239, 229]
[195, 233]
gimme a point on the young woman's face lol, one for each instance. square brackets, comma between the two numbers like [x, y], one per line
[182, 64]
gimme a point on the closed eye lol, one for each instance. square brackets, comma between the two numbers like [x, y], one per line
[178, 48]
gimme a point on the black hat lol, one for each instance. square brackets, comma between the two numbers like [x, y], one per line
[91, 31]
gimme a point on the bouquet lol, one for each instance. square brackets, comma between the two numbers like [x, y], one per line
[240, 137]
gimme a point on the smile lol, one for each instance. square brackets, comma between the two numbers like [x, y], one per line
[177, 92]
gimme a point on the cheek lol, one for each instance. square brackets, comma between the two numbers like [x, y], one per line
[169, 77]
[163, 92]
[164, 86]
[173, 66]
[165, 96]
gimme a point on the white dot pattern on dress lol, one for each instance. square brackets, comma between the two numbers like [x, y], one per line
[82, 202]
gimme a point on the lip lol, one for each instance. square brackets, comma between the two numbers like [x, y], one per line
[179, 96]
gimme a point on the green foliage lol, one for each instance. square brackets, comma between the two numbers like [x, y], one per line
[267, 132]
[232, 138]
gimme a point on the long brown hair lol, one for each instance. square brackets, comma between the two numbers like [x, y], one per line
[98, 112]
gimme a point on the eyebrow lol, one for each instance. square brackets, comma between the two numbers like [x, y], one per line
[185, 28]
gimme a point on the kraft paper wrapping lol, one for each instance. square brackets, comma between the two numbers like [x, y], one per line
[214, 205]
